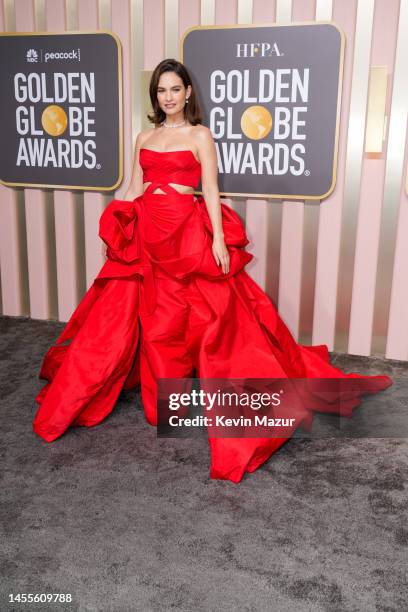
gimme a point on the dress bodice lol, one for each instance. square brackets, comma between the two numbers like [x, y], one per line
[180, 167]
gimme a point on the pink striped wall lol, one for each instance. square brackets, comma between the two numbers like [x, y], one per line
[336, 269]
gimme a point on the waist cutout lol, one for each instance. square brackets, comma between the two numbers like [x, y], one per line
[168, 189]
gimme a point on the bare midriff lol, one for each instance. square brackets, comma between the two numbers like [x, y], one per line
[179, 188]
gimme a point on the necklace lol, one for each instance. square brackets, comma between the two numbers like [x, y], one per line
[164, 124]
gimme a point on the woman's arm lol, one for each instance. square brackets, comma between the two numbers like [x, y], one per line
[211, 194]
[135, 188]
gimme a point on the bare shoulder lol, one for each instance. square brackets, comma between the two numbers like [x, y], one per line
[202, 134]
[204, 141]
[143, 135]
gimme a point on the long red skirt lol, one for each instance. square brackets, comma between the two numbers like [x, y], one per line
[161, 308]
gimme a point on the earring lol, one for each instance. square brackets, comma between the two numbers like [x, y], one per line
[186, 100]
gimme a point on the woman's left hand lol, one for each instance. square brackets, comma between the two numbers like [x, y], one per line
[221, 254]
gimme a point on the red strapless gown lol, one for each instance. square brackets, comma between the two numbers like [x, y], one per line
[161, 307]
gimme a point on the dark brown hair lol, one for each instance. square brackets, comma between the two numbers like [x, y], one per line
[192, 111]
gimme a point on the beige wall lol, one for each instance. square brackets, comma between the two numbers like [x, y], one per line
[335, 269]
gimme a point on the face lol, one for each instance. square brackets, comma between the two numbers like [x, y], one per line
[171, 93]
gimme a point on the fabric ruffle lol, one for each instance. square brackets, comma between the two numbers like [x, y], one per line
[138, 245]
[162, 245]
[135, 239]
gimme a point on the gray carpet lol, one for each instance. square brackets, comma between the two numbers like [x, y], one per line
[125, 521]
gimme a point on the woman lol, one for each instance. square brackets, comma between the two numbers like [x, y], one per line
[173, 299]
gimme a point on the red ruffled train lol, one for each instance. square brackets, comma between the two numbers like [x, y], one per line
[161, 308]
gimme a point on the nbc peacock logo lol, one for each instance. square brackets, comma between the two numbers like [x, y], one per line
[32, 55]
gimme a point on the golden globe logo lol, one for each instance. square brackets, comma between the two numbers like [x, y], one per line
[278, 107]
[34, 122]
[54, 120]
[256, 122]
[62, 110]
[271, 97]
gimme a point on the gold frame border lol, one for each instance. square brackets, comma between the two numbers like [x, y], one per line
[120, 88]
[280, 196]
